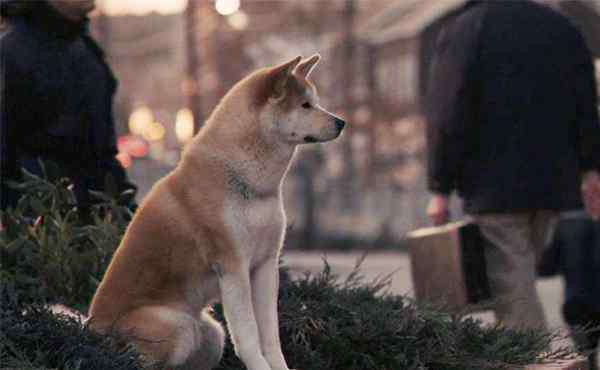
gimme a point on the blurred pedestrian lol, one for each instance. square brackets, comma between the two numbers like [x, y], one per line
[574, 253]
[513, 129]
[57, 96]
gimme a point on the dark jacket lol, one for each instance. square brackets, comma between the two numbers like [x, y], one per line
[57, 94]
[511, 109]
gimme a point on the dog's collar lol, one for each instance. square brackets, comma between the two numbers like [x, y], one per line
[237, 184]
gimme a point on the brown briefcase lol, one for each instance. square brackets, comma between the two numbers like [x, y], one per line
[448, 265]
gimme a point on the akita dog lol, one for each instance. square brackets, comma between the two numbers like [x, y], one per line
[213, 228]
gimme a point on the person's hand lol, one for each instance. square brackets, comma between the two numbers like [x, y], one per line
[590, 193]
[438, 210]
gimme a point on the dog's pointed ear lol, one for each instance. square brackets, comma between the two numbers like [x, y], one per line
[305, 68]
[280, 76]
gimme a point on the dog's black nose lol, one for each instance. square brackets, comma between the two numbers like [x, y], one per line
[339, 123]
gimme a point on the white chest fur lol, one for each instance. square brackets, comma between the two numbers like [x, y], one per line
[257, 226]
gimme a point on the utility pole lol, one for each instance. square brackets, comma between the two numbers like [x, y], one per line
[374, 115]
[191, 86]
[103, 29]
[347, 80]
[218, 55]
[103, 34]
[312, 160]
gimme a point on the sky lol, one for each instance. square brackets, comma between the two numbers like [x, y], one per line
[117, 7]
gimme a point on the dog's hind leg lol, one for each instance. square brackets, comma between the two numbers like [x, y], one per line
[175, 338]
[210, 347]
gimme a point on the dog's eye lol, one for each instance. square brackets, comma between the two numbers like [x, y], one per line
[306, 105]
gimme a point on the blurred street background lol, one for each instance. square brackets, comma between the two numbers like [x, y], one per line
[175, 59]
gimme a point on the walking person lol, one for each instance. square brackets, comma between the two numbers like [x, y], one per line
[57, 95]
[513, 129]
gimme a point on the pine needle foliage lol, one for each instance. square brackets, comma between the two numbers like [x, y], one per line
[328, 323]
[32, 337]
[51, 252]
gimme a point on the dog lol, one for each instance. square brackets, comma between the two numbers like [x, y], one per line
[213, 228]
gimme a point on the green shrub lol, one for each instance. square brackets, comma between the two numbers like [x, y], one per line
[32, 337]
[325, 323]
[49, 249]
[330, 324]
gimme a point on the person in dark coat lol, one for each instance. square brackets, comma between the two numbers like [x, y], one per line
[513, 129]
[57, 96]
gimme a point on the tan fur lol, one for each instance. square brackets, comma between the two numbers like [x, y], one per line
[212, 230]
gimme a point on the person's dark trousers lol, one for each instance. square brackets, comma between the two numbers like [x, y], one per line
[577, 241]
[584, 322]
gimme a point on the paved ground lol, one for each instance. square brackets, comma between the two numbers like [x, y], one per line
[378, 264]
